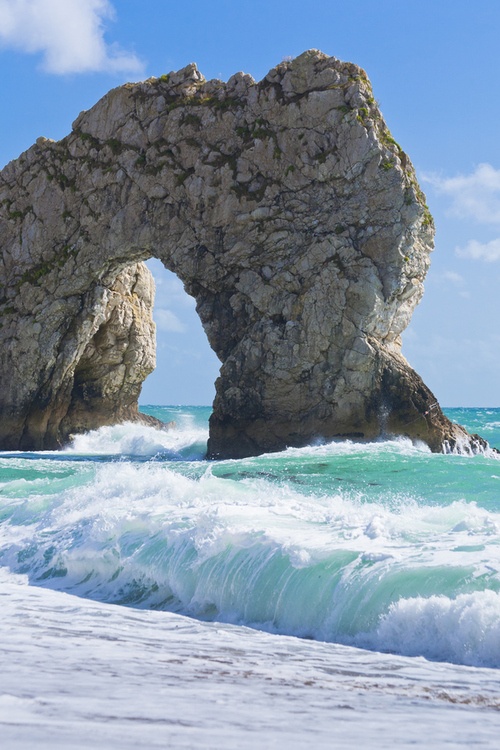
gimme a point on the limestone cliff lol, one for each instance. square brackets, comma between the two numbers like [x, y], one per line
[290, 214]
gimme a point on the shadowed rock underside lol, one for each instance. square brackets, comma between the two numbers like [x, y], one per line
[289, 213]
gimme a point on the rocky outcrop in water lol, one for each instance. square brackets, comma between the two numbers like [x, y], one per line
[290, 214]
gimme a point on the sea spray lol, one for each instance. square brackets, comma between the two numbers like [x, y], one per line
[464, 629]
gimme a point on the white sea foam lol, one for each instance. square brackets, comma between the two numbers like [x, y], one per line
[319, 541]
[399, 445]
[248, 551]
[380, 545]
[466, 447]
[82, 674]
[491, 425]
[131, 439]
[465, 629]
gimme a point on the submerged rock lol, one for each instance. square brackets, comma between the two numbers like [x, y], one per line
[290, 214]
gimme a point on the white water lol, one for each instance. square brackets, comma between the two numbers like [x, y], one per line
[79, 674]
[382, 546]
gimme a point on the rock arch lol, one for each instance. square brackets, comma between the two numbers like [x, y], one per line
[287, 210]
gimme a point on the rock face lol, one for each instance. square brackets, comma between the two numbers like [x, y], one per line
[289, 213]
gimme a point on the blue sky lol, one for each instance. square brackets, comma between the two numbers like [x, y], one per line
[434, 66]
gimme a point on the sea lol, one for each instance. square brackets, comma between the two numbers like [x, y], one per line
[326, 596]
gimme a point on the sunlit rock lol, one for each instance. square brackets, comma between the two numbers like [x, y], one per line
[290, 214]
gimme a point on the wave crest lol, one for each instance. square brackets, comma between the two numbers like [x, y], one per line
[132, 439]
[464, 630]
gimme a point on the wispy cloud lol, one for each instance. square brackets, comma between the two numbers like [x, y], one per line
[166, 320]
[170, 289]
[68, 33]
[475, 195]
[488, 251]
[457, 282]
[454, 277]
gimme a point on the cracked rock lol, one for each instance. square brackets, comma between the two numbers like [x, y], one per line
[287, 210]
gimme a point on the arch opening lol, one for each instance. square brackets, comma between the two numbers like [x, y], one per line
[186, 366]
[146, 325]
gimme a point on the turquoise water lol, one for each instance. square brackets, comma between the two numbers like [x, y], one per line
[379, 545]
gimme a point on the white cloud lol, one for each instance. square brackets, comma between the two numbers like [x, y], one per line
[68, 33]
[475, 195]
[488, 251]
[457, 282]
[454, 277]
[166, 320]
[170, 289]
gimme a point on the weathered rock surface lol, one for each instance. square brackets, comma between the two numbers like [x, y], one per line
[289, 213]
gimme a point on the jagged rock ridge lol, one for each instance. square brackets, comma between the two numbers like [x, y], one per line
[290, 214]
